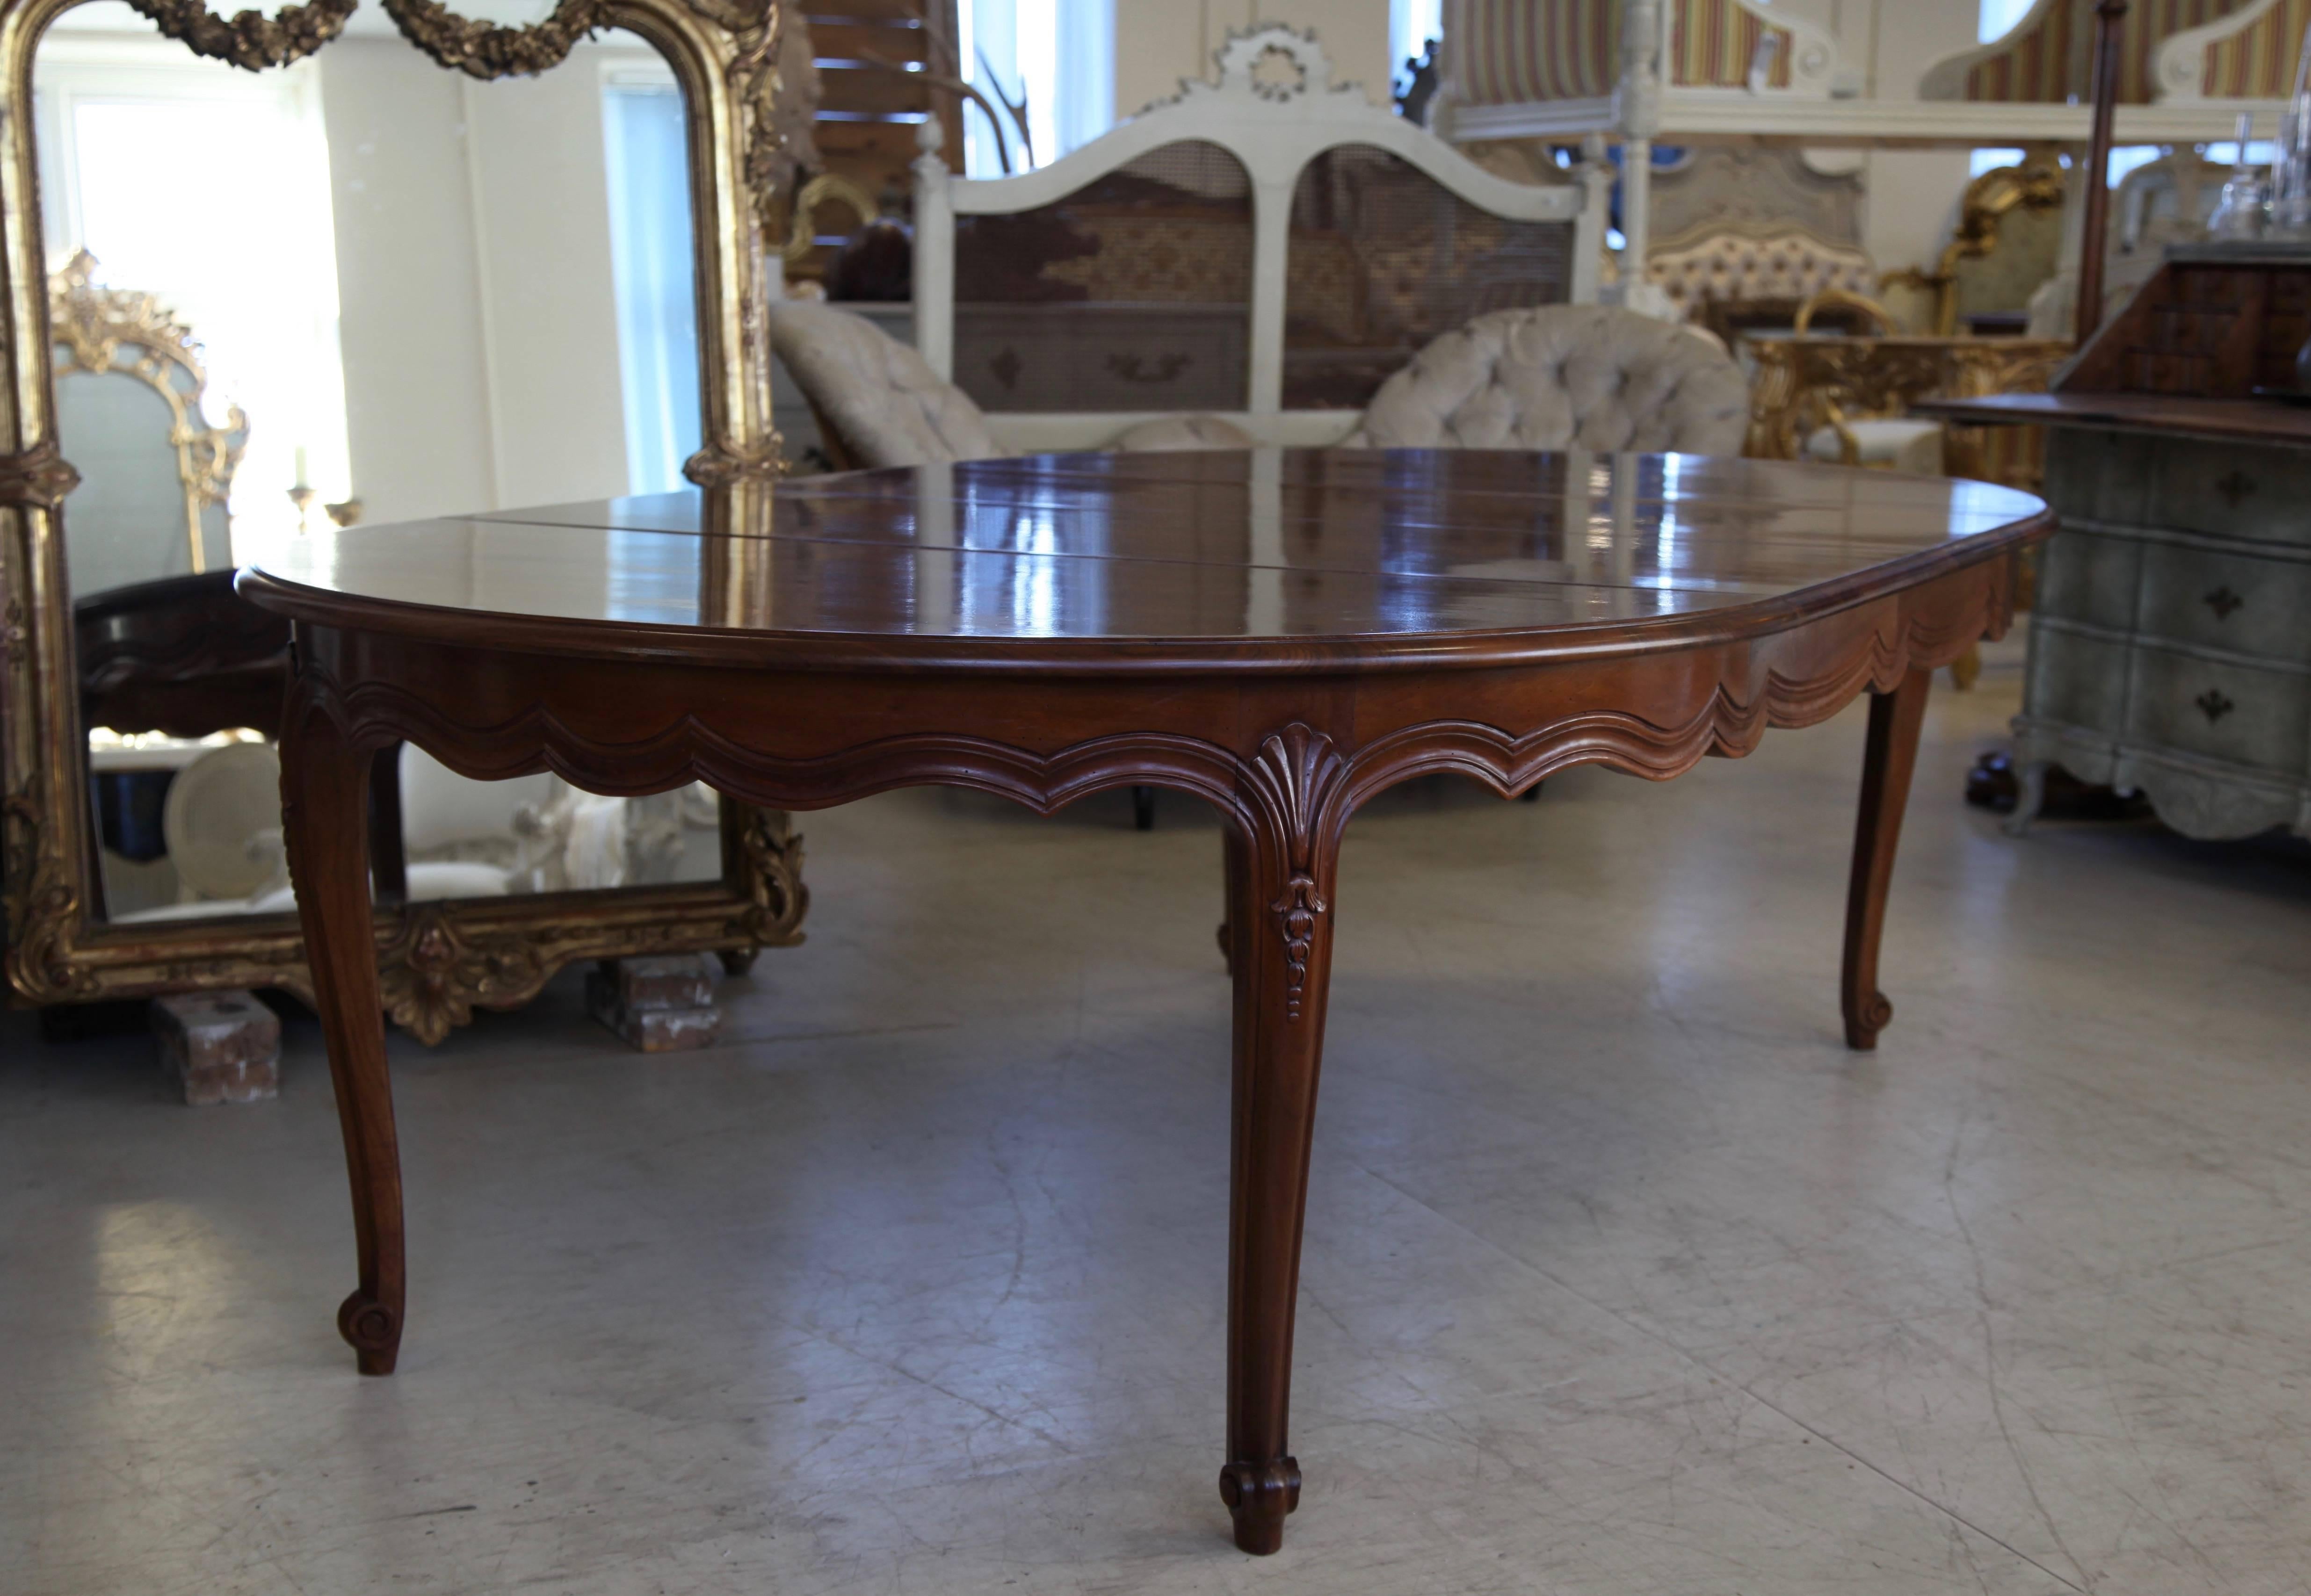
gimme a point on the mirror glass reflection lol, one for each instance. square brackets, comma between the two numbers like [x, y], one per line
[359, 289]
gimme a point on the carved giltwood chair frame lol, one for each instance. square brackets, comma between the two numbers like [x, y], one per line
[2035, 188]
[438, 960]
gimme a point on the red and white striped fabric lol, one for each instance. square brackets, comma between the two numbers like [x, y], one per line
[2258, 61]
[2049, 59]
[1515, 52]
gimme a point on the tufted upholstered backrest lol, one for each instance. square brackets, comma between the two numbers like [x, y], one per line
[1563, 376]
[890, 407]
[1726, 263]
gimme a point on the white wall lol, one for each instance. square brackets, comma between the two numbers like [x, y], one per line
[1913, 194]
[477, 308]
[542, 195]
[1158, 42]
[409, 302]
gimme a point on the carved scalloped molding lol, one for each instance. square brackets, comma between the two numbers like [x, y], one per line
[1293, 795]
[1295, 791]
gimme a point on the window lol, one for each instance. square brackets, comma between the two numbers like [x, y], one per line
[250, 264]
[1999, 18]
[1411, 25]
[645, 138]
[2125, 158]
[1058, 56]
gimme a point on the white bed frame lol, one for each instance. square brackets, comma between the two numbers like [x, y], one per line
[1275, 108]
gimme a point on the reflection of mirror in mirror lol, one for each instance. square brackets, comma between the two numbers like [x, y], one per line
[427, 295]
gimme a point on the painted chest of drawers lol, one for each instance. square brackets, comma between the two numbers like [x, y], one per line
[2170, 639]
[2170, 646]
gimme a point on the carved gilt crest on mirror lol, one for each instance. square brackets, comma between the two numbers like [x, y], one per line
[534, 277]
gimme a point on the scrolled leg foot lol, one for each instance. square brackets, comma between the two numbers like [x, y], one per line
[1865, 1019]
[1260, 1496]
[737, 961]
[372, 1330]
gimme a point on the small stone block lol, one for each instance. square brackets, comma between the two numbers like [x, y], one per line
[657, 1030]
[224, 1047]
[681, 981]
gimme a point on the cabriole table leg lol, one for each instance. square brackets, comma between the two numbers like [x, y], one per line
[1281, 960]
[1890, 757]
[325, 812]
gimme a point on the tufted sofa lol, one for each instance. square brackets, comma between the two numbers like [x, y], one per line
[1728, 265]
[1553, 377]
[1563, 376]
[878, 401]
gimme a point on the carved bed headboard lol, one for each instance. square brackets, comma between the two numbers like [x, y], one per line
[1727, 261]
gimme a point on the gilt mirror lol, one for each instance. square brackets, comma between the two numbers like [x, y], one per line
[357, 266]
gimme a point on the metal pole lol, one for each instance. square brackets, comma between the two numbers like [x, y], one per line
[2109, 14]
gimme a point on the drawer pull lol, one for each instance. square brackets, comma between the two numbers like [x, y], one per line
[1132, 369]
[2235, 488]
[2213, 705]
[2222, 601]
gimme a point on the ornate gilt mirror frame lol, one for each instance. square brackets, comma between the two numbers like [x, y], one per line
[439, 959]
[94, 326]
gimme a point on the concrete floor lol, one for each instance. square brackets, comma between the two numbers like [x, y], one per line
[1622, 1274]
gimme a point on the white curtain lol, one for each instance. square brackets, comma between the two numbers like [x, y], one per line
[645, 144]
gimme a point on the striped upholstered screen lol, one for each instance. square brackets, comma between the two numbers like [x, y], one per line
[2258, 61]
[1712, 42]
[2049, 58]
[1515, 52]
[1511, 52]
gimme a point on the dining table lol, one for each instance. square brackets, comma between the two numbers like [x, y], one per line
[1280, 632]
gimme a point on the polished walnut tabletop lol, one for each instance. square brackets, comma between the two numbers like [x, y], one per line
[1279, 634]
[2231, 420]
[1196, 557]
